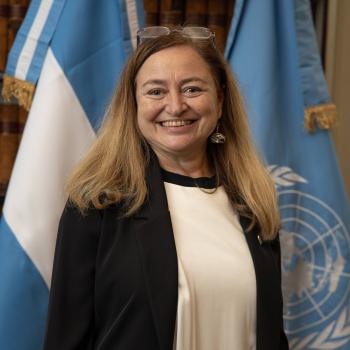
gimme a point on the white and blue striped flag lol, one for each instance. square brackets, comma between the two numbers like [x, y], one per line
[74, 51]
[273, 51]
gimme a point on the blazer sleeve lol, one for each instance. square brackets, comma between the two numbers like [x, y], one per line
[70, 320]
[276, 248]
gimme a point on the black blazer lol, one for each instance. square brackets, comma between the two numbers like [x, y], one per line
[115, 280]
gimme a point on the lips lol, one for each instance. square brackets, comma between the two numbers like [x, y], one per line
[176, 123]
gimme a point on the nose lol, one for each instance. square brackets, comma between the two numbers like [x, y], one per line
[175, 104]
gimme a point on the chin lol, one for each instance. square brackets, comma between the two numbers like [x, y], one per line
[182, 149]
[178, 146]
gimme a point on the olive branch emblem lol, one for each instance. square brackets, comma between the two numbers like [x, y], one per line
[284, 176]
[337, 333]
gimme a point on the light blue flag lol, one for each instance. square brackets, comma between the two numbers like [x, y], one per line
[74, 51]
[272, 50]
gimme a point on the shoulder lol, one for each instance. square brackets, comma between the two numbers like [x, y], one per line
[89, 221]
[73, 216]
[275, 245]
[76, 226]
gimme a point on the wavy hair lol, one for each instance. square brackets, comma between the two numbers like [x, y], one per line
[114, 169]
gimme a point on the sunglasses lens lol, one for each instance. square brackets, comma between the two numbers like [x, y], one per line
[197, 32]
[192, 32]
[152, 32]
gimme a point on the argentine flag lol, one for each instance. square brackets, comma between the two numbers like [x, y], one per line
[74, 51]
[273, 52]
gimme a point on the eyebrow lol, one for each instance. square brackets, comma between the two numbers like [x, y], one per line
[183, 81]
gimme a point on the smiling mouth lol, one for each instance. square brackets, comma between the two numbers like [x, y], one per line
[176, 123]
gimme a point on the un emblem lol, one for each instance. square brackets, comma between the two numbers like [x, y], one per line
[316, 278]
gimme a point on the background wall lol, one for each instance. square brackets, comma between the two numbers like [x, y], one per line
[337, 66]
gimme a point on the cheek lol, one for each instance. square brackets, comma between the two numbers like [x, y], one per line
[148, 111]
[146, 116]
[143, 126]
[210, 109]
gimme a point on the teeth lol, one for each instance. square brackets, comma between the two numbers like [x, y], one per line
[176, 122]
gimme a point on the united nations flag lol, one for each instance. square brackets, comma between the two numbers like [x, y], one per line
[273, 52]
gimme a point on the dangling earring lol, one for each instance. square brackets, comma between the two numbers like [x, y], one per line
[217, 137]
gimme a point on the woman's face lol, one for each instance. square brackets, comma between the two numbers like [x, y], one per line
[178, 106]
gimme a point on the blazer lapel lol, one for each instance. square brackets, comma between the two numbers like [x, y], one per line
[158, 252]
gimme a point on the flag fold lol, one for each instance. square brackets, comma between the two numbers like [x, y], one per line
[273, 52]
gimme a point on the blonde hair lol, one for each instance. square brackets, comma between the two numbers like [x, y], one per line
[114, 169]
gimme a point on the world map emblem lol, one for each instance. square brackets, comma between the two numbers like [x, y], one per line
[315, 267]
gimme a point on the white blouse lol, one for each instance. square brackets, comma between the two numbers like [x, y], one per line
[217, 286]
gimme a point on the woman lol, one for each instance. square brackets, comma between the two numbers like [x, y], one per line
[169, 240]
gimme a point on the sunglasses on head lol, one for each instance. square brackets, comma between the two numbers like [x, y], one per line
[195, 33]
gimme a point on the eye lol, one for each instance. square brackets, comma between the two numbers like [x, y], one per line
[155, 92]
[192, 90]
